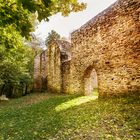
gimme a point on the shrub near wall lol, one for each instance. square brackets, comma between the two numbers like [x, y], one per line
[16, 90]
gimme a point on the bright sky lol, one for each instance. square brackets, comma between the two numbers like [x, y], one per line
[65, 25]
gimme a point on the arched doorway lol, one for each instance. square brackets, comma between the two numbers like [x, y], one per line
[90, 82]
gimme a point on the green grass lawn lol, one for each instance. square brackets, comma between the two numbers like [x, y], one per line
[70, 117]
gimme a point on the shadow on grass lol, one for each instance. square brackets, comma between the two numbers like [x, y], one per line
[72, 117]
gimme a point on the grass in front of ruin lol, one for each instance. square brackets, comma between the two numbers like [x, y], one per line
[61, 117]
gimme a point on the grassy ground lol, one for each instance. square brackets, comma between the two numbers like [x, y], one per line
[70, 117]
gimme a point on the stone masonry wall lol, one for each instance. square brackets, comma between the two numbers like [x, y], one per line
[104, 54]
[43, 69]
[110, 44]
[53, 68]
[65, 71]
[57, 68]
[37, 74]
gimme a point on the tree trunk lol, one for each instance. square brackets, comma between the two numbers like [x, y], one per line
[2, 90]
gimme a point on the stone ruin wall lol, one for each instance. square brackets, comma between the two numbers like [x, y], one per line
[65, 49]
[106, 46]
[110, 44]
[37, 75]
[40, 63]
[53, 68]
[65, 71]
[43, 69]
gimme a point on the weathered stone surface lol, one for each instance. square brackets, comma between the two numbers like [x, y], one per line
[43, 69]
[40, 75]
[37, 73]
[51, 69]
[65, 72]
[58, 54]
[104, 53]
[109, 43]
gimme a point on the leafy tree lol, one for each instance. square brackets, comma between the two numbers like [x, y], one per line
[52, 36]
[16, 61]
[13, 13]
[21, 13]
[46, 8]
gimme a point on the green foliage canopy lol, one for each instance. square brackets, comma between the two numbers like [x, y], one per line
[46, 8]
[13, 13]
[16, 59]
[52, 36]
[21, 13]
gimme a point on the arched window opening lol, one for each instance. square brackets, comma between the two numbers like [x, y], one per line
[90, 82]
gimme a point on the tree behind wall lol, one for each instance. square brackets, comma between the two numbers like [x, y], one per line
[53, 35]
